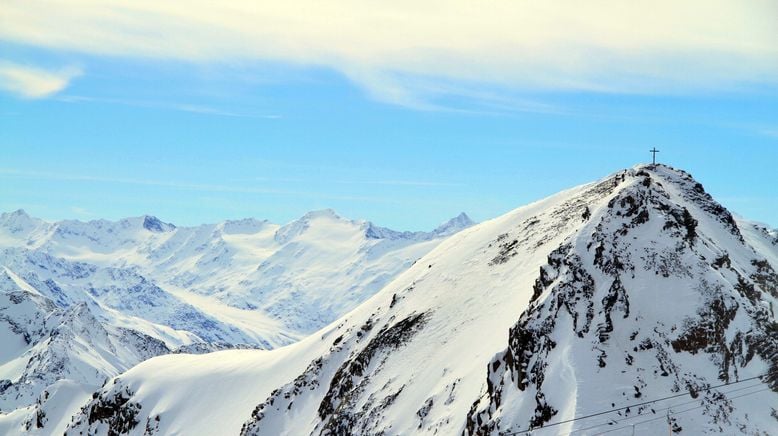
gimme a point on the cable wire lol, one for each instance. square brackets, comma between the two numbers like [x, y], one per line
[678, 413]
[592, 415]
[654, 411]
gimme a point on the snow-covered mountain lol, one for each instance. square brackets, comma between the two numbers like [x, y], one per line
[51, 351]
[83, 302]
[632, 305]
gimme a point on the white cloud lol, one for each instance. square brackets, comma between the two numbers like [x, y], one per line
[611, 46]
[31, 82]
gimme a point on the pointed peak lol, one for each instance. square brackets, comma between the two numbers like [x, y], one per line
[462, 218]
[459, 222]
[661, 173]
[154, 224]
[667, 188]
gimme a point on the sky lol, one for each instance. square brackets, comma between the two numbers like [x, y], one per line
[402, 113]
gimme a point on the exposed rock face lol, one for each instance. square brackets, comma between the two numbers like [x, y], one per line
[153, 224]
[47, 343]
[646, 230]
[113, 414]
[340, 410]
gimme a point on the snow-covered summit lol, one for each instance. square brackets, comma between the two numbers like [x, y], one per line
[16, 227]
[325, 217]
[16, 219]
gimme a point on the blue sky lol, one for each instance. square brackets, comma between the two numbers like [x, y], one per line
[193, 133]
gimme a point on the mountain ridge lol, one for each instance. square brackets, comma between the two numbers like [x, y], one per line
[550, 312]
[19, 217]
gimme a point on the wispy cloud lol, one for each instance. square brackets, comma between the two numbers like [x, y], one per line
[642, 46]
[80, 211]
[199, 187]
[295, 180]
[437, 95]
[183, 107]
[206, 110]
[764, 128]
[772, 133]
[33, 82]
[398, 183]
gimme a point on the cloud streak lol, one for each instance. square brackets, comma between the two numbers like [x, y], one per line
[413, 183]
[770, 133]
[31, 82]
[181, 107]
[604, 46]
[200, 187]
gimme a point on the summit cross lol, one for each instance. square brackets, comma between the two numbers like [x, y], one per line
[654, 151]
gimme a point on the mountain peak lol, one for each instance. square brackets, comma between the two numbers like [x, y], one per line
[322, 213]
[154, 224]
[459, 222]
[18, 214]
[300, 225]
[673, 187]
[18, 221]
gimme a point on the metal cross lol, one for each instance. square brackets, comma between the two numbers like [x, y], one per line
[654, 151]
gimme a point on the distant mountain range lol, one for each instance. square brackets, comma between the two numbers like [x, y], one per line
[81, 302]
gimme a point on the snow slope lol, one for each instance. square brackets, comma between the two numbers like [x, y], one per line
[639, 288]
